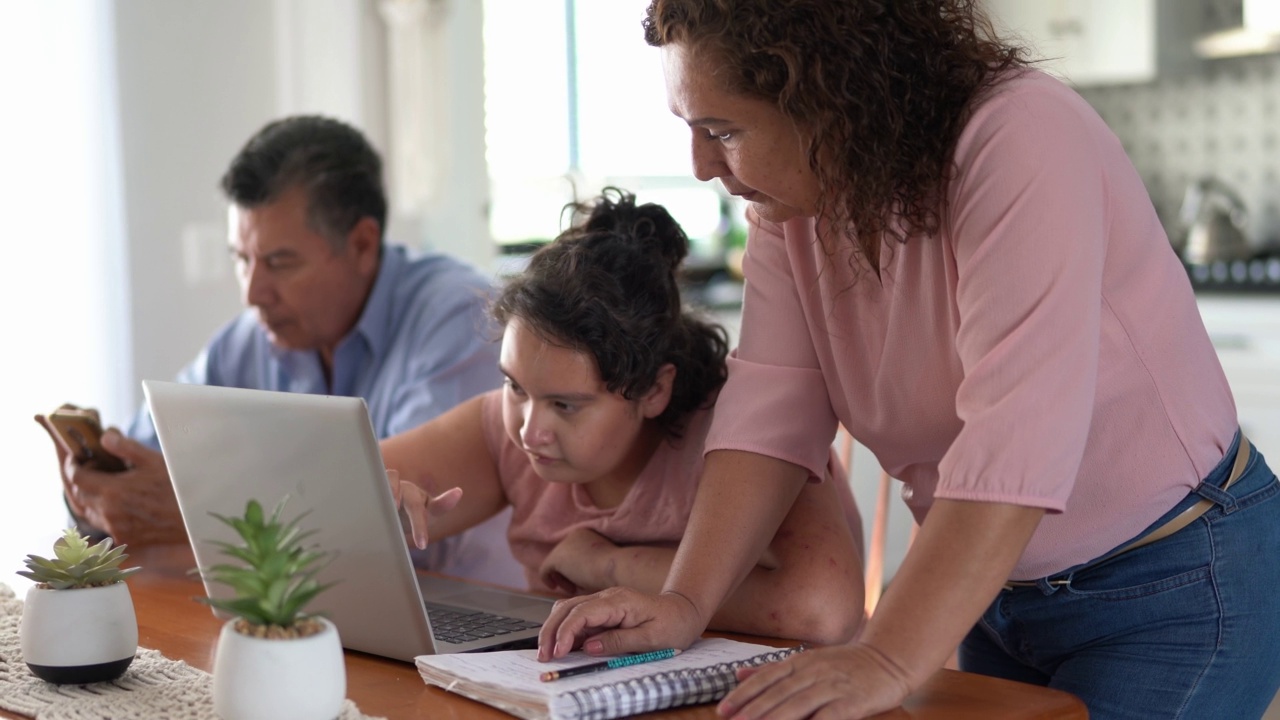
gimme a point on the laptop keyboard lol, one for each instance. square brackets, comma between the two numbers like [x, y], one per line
[456, 625]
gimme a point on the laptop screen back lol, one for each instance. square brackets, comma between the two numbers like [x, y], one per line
[224, 446]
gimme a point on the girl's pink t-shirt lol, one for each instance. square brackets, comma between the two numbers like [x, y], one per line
[654, 512]
[1043, 349]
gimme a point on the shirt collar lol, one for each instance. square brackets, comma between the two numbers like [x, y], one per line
[376, 320]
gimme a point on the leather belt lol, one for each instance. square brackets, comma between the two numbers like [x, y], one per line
[1175, 523]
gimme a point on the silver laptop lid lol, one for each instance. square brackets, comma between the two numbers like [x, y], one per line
[224, 446]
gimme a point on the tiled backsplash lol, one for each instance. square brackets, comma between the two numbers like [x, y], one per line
[1223, 120]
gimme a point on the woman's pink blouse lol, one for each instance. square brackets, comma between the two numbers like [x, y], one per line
[1043, 349]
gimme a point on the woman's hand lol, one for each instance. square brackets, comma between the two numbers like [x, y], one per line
[619, 620]
[581, 563]
[418, 505]
[846, 682]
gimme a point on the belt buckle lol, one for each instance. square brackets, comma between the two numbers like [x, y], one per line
[1056, 582]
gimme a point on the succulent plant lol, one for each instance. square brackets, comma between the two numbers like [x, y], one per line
[77, 564]
[278, 575]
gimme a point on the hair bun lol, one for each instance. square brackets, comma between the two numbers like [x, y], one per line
[646, 227]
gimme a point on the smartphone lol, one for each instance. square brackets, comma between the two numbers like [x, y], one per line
[81, 433]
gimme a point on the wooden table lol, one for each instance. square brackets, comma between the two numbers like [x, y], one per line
[169, 621]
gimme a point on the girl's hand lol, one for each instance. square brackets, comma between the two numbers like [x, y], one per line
[848, 682]
[619, 620]
[418, 504]
[581, 563]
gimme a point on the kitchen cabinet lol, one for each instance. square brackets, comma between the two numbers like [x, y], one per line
[1245, 330]
[1098, 42]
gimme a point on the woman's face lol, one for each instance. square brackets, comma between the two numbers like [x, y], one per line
[558, 411]
[755, 150]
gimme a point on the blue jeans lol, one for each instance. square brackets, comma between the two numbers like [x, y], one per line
[1185, 627]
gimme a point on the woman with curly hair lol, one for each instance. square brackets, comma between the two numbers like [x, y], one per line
[951, 255]
[595, 441]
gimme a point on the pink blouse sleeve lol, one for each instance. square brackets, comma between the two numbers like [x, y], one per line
[775, 401]
[1027, 221]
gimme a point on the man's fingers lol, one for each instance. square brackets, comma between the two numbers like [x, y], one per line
[72, 494]
[58, 444]
[78, 485]
[132, 452]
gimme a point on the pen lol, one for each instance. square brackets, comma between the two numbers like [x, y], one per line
[609, 664]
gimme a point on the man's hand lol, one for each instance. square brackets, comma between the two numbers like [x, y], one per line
[582, 562]
[619, 620]
[844, 681]
[418, 504]
[136, 506]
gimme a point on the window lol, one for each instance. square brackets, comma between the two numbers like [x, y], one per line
[63, 297]
[575, 101]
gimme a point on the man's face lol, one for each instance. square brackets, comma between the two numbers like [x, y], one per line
[308, 295]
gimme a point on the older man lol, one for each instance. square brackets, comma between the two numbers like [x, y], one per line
[330, 308]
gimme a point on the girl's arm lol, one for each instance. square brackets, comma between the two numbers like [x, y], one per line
[808, 585]
[729, 530]
[446, 452]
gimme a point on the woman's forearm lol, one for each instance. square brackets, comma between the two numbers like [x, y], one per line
[961, 557]
[742, 499]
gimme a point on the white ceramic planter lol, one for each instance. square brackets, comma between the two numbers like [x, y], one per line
[262, 679]
[79, 636]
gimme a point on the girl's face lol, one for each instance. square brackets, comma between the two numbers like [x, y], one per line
[755, 150]
[572, 428]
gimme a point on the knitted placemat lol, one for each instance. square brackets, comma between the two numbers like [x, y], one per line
[154, 686]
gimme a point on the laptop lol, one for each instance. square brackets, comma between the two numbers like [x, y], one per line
[224, 446]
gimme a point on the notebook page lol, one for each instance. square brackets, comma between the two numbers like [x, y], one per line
[518, 670]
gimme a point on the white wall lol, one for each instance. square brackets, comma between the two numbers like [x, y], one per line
[62, 300]
[195, 80]
[198, 78]
[456, 217]
[119, 179]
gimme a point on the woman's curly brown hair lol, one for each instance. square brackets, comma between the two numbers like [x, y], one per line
[608, 287]
[884, 88]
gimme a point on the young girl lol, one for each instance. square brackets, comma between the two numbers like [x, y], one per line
[596, 439]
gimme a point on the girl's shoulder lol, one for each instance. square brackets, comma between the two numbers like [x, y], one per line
[680, 458]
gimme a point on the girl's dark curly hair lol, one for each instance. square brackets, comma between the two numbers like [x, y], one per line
[607, 287]
[882, 87]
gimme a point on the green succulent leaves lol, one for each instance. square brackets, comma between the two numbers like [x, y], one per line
[77, 564]
[277, 577]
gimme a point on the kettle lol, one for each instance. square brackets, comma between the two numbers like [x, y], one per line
[1214, 216]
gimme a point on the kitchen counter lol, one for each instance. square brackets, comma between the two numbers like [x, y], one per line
[1245, 330]
[1259, 276]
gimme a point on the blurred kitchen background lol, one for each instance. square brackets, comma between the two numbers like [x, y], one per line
[1192, 88]
[491, 114]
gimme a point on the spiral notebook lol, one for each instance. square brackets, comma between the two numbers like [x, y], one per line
[509, 680]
